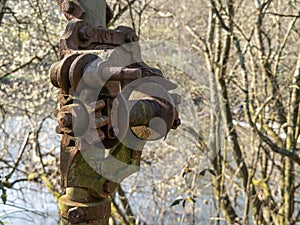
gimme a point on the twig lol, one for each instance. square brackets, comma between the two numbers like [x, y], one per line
[2, 8]
[222, 22]
[21, 67]
[131, 15]
[21, 152]
[281, 151]
[122, 214]
[37, 145]
[11, 184]
[28, 210]
[121, 12]
[284, 15]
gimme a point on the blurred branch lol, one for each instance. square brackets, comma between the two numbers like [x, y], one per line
[121, 213]
[37, 144]
[21, 152]
[125, 202]
[14, 16]
[39, 11]
[121, 12]
[22, 66]
[131, 14]
[28, 210]
[8, 184]
[217, 12]
[127, 214]
[198, 38]
[140, 13]
[284, 15]
[283, 152]
[282, 45]
[2, 9]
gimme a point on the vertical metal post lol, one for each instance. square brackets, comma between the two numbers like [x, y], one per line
[77, 199]
[95, 13]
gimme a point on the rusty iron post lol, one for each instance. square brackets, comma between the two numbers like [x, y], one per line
[109, 100]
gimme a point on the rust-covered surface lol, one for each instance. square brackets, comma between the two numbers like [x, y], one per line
[102, 107]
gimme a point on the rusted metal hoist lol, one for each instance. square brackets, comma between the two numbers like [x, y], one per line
[110, 104]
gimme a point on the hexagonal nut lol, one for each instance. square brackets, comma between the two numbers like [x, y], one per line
[85, 33]
[75, 215]
[64, 119]
[109, 187]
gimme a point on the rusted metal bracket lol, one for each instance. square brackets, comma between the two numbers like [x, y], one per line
[80, 36]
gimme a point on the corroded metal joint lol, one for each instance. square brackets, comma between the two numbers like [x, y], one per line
[84, 73]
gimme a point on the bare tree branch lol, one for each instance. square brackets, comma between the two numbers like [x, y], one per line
[2, 9]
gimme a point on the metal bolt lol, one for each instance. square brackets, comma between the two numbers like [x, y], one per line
[135, 38]
[85, 33]
[131, 38]
[58, 130]
[176, 123]
[75, 215]
[109, 187]
[64, 119]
